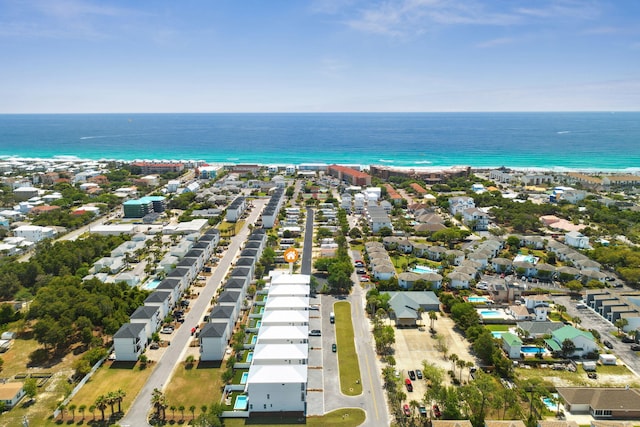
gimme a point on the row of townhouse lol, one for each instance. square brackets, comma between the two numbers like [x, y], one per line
[380, 264]
[272, 209]
[131, 339]
[215, 334]
[279, 353]
[615, 305]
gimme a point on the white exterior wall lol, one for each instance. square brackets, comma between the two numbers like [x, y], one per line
[213, 348]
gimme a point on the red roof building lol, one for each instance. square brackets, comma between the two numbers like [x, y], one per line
[350, 175]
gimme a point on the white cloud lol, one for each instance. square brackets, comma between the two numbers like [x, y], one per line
[410, 17]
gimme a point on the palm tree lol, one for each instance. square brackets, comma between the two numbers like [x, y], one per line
[204, 408]
[461, 365]
[81, 409]
[159, 402]
[454, 359]
[432, 317]
[92, 409]
[420, 311]
[181, 409]
[173, 411]
[119, 396]
[111, 400]
[62, 408]
[101, 404]
[72, 408]
[469, 366]
[192, 409]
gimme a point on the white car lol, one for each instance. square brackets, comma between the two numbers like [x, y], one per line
[167, 330]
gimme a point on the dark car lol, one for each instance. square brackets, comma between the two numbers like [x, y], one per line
[334, 348]
[315, 333]
[627, 339]
[607, 344]
[635, 347]
[412, 375]
[418, 374]
[436, 411]
[408, 384]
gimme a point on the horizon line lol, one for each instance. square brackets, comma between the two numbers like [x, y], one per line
[327, 112]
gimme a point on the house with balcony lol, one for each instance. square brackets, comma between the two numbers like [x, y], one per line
[129, 342]
[213, 339]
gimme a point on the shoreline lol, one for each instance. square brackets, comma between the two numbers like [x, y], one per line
[199, 162]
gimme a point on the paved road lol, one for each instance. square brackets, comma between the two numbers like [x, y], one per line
[592, 320]
[163, 371]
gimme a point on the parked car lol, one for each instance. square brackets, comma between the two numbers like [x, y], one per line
[406, 410]
[167, 330]
[412, 375]
[635, 347]
[627, 339]
[315, 333]
[436, 411]
[418, 374]
[364, 278]
[334, 347]
[607, 344]
[154, 345]
[423, 411]
[314, 307]
[408, 384]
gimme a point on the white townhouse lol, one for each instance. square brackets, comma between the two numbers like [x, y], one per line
[457, 205]
[149, 316]
[285, 318]
[214, 338]
[577, 240]
[476, 218]
[277, 388]
[34, 233]
[160, 299]
[129, 342]
[295, 303]
[283, 334]
[281, 354]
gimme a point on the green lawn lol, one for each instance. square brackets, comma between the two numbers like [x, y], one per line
[350, 380]
[348, 417]
[182, 389]
[498, 328]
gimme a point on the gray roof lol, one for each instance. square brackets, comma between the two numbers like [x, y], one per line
[406, 304]
[158, 296]
[129, 330]
[144, 312]
[213, 330]
[221, 312]
[539, 328]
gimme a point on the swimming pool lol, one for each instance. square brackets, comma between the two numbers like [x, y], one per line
[241, 403]
[477, 299]
[550, 402]
[258, 324]
[421, 269]
[249, 357]
[151, 285]
[532, 349]
[526, 258]
[497, 334]
[254, 339]
[490, 313]
[245, 375]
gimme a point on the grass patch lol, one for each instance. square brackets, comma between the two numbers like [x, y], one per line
[497, 328]
[348, 417]
[110, 377]
[350, 381]
[49, 396]
[182, 389]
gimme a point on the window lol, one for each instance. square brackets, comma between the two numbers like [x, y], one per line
[268, 396]
[302, 397]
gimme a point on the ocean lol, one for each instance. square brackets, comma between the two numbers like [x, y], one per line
[559, 141]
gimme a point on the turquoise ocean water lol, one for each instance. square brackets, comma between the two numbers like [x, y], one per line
[583, 141]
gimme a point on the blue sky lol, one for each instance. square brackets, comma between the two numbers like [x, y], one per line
[75, 56]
